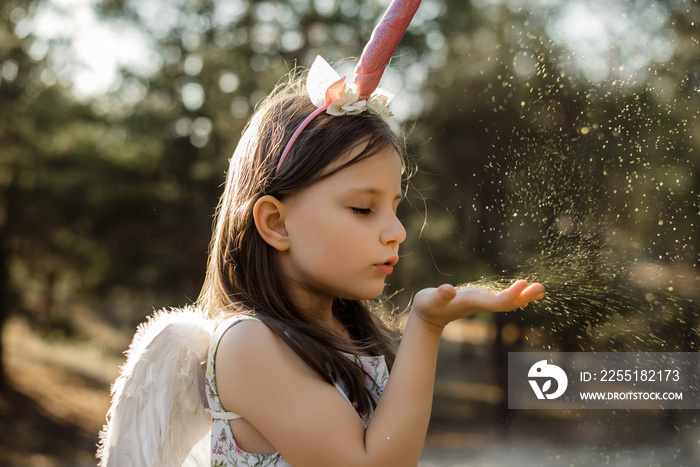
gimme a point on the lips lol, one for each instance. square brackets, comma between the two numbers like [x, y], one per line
[387, 267]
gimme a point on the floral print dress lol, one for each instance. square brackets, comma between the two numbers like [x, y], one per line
[224, 450]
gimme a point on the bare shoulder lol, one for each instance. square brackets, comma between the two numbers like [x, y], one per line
[246, 336]
[250, 344]
[251, 356]
[260, 378]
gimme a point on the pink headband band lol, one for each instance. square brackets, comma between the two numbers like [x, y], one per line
[330, 93]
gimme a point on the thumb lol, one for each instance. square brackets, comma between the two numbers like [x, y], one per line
[435, 298]
[446, 293]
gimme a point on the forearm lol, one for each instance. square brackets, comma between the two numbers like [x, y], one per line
[396, 433]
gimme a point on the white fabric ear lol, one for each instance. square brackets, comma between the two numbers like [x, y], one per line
[321, 76]
[389, 96]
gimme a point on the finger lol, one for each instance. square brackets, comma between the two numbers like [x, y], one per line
[514, 291]
[534, 291]
[525, 294]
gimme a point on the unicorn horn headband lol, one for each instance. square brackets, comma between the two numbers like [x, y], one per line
[330, 93]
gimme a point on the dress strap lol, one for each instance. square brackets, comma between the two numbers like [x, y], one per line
[223, 415]
[226, 324]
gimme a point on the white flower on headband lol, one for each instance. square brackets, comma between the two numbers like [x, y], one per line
[347, 102]
[323, 83]
[329, 92]
[378, 104]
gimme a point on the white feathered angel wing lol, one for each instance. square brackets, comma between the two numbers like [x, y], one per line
[157, 417]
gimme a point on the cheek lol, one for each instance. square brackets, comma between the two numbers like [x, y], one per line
[352, 244]
[325, 237]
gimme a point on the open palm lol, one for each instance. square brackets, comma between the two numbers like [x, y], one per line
[438, 306]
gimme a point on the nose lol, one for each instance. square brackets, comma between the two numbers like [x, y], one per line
[394, 233]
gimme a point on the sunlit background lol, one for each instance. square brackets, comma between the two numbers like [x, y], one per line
[556, 140]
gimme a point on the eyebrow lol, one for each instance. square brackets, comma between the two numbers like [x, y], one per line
[373, 191]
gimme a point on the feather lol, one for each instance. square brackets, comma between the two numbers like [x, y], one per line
[157, 416]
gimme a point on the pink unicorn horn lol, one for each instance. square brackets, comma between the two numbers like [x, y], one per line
[385, 38]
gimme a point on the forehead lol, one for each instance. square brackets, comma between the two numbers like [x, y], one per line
[385, 167]
[354, 156]
[378, 176]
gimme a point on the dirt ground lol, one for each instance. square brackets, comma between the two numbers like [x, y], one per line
[57, 398]
[52, 412]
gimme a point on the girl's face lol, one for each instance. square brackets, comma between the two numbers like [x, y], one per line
[343, 231]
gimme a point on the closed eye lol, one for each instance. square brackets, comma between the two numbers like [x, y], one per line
[361, 211]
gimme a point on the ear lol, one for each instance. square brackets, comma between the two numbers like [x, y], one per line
[269, 213]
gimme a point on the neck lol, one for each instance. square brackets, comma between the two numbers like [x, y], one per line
[319, 309]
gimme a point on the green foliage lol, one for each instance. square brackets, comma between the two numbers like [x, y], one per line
[530, 163]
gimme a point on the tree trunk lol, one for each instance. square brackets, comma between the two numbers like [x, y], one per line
[4, 305]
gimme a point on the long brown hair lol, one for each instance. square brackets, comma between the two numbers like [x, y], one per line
[243, 276]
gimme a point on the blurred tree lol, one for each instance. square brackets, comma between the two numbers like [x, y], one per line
[542, 163]
[36, 201]
[550, 159]
[20, 83]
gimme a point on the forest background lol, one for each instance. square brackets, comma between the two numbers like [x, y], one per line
[556, 141]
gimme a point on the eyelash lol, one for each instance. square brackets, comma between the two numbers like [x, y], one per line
[361, 211]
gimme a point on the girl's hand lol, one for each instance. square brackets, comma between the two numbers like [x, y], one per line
[438, 306]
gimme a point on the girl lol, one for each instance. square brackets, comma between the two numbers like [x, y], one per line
[299, 370]
[306, 234]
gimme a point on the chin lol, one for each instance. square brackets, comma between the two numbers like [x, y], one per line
[361, 298]
[368, 294]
